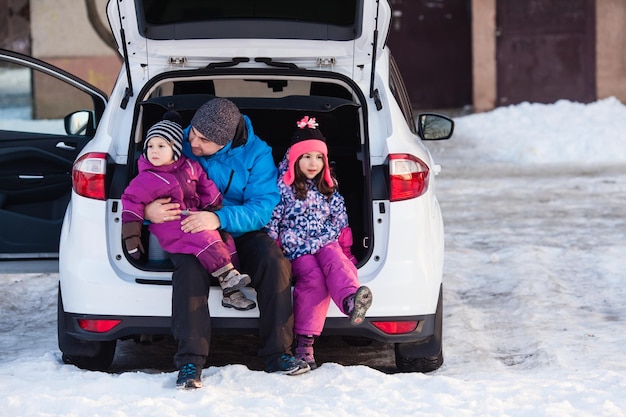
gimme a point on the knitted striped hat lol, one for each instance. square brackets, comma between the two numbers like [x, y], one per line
[169, 130]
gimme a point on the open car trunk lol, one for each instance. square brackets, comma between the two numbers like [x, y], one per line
[274, 105]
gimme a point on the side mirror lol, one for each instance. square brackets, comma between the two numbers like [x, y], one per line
[432, 126]
[81, 122]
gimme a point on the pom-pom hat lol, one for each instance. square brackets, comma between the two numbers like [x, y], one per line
[307, 138]
[169, 130]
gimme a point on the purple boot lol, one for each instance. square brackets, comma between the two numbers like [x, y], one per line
[304, 350]
[356, 305]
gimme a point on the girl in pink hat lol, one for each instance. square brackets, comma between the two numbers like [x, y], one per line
[310, 224]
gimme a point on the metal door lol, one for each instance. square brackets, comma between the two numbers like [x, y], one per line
[545, 51]
[432, 44]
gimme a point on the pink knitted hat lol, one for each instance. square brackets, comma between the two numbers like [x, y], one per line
[307, 138]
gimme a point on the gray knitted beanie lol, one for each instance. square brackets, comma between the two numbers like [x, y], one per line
[171, 131]
[217, 120]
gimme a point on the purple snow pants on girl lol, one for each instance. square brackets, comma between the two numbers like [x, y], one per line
[320, 277]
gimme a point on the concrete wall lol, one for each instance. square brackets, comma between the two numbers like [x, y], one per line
[610, 51]
[62, 35]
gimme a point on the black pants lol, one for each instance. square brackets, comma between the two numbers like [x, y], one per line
[270, 271]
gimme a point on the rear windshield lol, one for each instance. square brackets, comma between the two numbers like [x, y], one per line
[211, 19]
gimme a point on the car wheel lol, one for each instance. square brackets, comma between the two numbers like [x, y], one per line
[409, 364]
[90, 355]
[100, 362]
[423, 356]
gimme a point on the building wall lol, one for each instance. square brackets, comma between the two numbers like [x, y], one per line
[15, 26]
[62, 35]
[610, 51]
[484, 54]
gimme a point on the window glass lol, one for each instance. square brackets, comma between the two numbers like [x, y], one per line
[396, 84]
[333, 12]
[29, 100]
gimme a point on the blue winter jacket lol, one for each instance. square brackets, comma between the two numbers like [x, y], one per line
[245, 173]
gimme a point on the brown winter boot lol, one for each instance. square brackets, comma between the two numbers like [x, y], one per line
[238, 301]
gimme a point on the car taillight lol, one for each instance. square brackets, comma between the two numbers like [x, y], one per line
[88, 175]
[395, 327]
[408, 177]
[97, 326]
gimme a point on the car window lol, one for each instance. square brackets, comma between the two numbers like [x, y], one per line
[29, 100]
[217, 19]
[160, 12]
[396, 84]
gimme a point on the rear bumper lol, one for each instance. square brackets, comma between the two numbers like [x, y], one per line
[426, 331]
[335, 326]
[422, 342]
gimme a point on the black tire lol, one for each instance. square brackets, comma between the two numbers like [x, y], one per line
[425, 356]
[428, 364]
[100, 362]
[90, 355]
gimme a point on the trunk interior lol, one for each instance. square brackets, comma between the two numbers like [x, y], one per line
[274, 120]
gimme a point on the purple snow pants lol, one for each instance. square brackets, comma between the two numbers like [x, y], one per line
[208, 246]
[318, 278]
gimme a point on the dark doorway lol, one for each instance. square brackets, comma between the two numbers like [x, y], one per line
[432, 44]
[545, 51]
[15, 25]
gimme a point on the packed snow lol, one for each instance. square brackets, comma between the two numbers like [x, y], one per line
[532, 197]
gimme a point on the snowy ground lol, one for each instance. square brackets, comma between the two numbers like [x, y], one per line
[533, 201]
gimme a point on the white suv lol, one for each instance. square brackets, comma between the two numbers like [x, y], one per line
[276, 61]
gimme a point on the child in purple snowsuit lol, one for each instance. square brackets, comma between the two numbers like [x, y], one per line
[164, 172]
[310, 224]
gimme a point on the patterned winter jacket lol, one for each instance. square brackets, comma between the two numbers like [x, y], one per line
[303, 227]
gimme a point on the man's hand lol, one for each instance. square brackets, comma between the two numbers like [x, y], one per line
[161, 211]
[198, 221]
